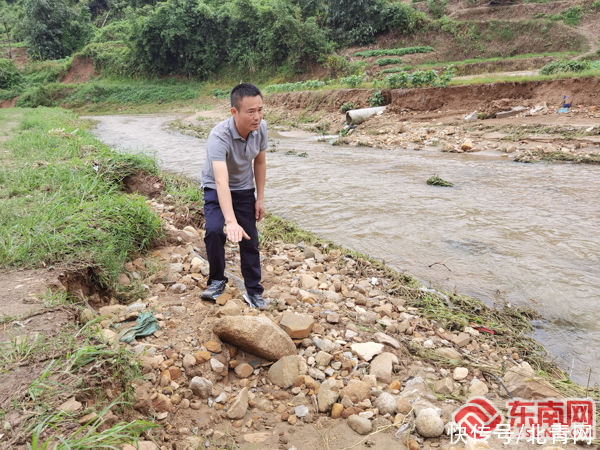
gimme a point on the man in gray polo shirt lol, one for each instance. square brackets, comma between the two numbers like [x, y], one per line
[235, 161]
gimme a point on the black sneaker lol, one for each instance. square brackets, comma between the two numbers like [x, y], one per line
[216, 288]
[256, 301]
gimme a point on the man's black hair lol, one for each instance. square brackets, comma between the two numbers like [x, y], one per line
[243, 90]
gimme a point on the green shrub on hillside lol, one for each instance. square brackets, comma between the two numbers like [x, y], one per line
[9, 75]
[42, 72]
[419, 78]
[54, 29]
[388, 61]
[437, 8]
[119, 30]
[395, 51]
[353, 80]
[246, 33]
[359, 21]
[572, 16]
[376, 99]
[395, 69]
[111, 58]
[565, 66]
[44, 95]
[339, 66]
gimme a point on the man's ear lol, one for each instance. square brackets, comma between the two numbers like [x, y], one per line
[233, 111]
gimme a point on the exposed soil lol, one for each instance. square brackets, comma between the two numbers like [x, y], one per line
[22, 290]
[9, 103]
[81, 71]
[19, 56]
[452, 99]
[144, 184]
[434, 117]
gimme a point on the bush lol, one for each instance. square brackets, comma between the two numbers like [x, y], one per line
[347, 107]
[43, 72]
[246, 33]
[119, 30]
[395, 51]
[339, 66]
[353, 80]
[572, 16]
[53, 29]
[419, 78]
[359, 21]
[437, 8]
[564, 66]
[388, 61]
[112, 58]
[376, 99]
[46, 95]
[9, 75]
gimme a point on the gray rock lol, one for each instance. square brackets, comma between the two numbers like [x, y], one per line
[323, 358]
[285, 371]
[429, 424]
[238, 408]
[360, 424]
[316, 374]
[386, 403]
[201, 387]
[324, 344]
[301, 411]
[382, 366]
[383, 338]
[367, 350]
[328, 394]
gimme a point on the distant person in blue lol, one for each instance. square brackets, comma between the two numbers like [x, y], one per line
[235, 164]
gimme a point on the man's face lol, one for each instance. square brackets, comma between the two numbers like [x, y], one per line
[247, 118]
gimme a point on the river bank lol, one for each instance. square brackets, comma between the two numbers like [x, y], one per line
[423, 351]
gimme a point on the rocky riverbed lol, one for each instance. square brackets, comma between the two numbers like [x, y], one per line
[339, 360]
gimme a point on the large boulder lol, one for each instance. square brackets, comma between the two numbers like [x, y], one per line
[256, 335]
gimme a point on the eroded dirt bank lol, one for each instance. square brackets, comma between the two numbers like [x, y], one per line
[519, 119]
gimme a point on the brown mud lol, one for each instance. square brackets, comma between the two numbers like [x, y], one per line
[81, 71]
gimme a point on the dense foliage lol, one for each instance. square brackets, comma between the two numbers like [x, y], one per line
[568, 66]
[197, 38]
[9, 75]
[53, 29]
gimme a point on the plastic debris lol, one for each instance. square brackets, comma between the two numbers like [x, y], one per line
[470, 117]
[146, 325]
[482, 329]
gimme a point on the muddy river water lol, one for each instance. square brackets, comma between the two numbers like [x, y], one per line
[524, 233]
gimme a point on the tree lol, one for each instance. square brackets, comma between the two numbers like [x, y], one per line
[9, 17]
[53, 29]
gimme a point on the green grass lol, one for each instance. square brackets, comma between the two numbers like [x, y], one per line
[71, 362]
[395, 51]
[56, 209]
[485, 60]
[505, 78]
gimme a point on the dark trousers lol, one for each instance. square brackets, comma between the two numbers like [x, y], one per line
[244, 209]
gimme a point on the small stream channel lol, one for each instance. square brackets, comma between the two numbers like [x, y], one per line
[524, 233]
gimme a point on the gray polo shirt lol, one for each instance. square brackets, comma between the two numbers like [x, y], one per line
[226, 144]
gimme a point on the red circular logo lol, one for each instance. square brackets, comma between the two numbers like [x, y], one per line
[476, 416]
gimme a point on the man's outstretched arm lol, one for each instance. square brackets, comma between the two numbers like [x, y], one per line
[235, 233]
[260, 174]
